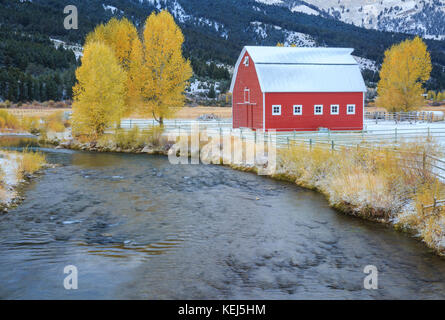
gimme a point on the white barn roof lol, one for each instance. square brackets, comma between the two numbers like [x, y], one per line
[288, 69]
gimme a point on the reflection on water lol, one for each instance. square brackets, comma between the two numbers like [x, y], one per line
[137, 227]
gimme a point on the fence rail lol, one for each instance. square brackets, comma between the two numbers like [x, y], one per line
[415, 116]
[334, 140]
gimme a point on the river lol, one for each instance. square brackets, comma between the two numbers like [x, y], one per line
[137, 227]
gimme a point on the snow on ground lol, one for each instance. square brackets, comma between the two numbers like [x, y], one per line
[366, 64]
[259, 29]
[269, 2]
[305, 9]
[8, 173]
[299, 39]
[77, 49]
[112, 9]
[197, 87]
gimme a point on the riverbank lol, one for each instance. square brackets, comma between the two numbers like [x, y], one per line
[374, 184]
[16, 170]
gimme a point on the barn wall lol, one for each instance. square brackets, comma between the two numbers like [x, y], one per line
[309, 121]
[243, 115]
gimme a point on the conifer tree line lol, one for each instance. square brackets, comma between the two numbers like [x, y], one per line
[32, 69]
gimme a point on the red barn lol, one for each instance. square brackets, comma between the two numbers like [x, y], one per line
[286, 88]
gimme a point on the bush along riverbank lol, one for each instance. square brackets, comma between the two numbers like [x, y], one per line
[395, 187]
[16, 170]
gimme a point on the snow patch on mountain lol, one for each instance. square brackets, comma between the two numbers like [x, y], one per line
[176, 9]
[76, 48]
[366, 64]
[299, 39]
[113, 9]
[305, 9]
[422, 17]
[259, 29]
[270, 2]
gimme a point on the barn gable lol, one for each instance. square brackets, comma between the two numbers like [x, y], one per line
[286, 89]
[289, 69]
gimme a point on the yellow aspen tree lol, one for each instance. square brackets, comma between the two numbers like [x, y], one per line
[99, 92]
[165, 71]
[121, 36]
[406, 67]
[136, 77]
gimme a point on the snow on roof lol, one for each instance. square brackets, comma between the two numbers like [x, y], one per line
[293, 69]
[310, 78]
[301, 55]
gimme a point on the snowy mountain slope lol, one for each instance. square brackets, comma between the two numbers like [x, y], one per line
[422, 17]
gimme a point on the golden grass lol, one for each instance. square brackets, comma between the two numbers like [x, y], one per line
[41, 113]
[377, 182]
[8, 121]
[29, 162]
[195, 112]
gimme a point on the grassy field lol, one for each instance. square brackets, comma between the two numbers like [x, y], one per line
[43, 112]
[184, 113]
[195, 112]
[426, 108]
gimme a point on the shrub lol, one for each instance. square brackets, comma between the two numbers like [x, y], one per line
[31, 124]
[8, 120]
[376, 182]
[30, 162]
[130, 139]
[154, 136]
[55, 122]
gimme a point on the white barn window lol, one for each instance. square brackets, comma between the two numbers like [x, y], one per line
[318, 109]
[246, 95]
[350, 109]
[335, 109]
[246, 61]
[298, 110]
[276, 110]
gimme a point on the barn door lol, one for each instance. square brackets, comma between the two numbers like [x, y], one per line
[249, 116]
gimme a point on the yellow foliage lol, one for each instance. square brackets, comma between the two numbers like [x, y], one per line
[375, 182]
[163, 69]
[406, 67]
[99, 93]
[54, 122]
[30, 124]
[121, 36]
[8, 120]
[30, 162]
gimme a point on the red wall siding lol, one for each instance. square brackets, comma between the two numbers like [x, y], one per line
[308, 121]
[244, 115]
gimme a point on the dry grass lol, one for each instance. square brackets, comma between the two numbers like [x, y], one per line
[377, 183]
[41, 113]
[372, 108]
[29, 162]
[195, 112]
[8, 121]
[380, 183]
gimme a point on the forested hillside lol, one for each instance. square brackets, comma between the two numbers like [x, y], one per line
[31, 68]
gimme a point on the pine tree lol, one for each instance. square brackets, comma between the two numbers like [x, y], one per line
[99, 93]
[406, 67]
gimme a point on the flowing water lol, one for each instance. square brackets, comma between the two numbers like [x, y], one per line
[137, 227]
